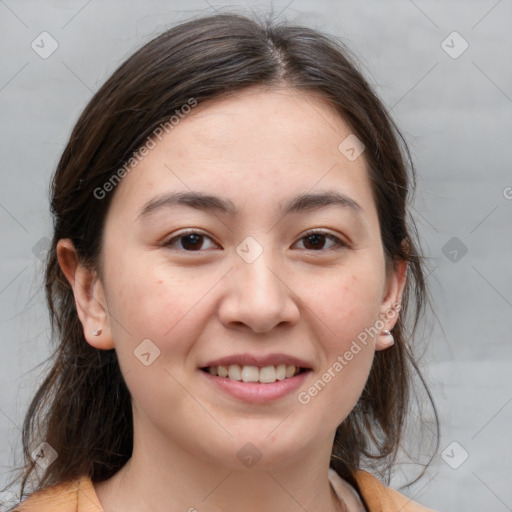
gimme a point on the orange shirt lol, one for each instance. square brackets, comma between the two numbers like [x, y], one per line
[79, 496]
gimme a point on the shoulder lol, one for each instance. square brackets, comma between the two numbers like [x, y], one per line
[72, 496]
[379, 498]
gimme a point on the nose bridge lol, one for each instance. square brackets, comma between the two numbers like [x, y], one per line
[253, 269]
[259, 281]
[258, 296]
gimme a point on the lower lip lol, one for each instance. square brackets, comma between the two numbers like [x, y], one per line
[256, 392]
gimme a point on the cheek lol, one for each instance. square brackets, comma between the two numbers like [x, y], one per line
[155, 317]
[346, 302]
[149, 296]
[151, 300]
[346, 308]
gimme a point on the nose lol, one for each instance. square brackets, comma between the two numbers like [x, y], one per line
[258, 296]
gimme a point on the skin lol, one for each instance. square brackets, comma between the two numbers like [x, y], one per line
[259, 148]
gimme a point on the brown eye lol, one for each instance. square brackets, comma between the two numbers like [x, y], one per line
[316, 241]
[190, 242]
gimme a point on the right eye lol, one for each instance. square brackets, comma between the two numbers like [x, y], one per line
[191, 241]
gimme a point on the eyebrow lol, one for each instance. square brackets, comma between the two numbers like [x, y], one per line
[208, 202]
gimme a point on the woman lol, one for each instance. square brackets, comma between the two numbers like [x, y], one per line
[230, 277]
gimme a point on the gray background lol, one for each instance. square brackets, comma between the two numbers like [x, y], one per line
[456, 115]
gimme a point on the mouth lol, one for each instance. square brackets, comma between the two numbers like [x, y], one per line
[260, 374]
[256, 378]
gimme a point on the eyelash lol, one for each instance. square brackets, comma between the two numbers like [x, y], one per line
[338, 244]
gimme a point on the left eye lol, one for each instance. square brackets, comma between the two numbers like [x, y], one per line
[316, 240]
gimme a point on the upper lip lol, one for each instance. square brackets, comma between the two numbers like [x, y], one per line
[258, 360]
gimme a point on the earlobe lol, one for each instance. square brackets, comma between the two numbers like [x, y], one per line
[89, 296]
[391, 304]
[385, 340]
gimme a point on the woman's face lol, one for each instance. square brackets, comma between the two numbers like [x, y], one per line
[284, 266]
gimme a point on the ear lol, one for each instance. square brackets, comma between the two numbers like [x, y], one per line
[391, 302]
[89, 296]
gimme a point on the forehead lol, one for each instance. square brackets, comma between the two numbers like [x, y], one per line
[251, 147]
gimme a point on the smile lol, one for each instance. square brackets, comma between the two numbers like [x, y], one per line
[248, 373]
[254, 384]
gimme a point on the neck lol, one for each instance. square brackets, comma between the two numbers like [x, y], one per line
[172, 479]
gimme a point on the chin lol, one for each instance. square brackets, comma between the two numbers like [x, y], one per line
[266, 448]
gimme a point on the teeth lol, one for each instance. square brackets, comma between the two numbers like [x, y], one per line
[235, 372]
[222, 371]
[266, 375]
[281, 371]
[290, 371]
[250, 374]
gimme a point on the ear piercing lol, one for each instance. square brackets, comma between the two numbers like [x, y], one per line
[97, 332]
[389, 335]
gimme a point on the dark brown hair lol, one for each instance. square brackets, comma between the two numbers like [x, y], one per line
[83, 408]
